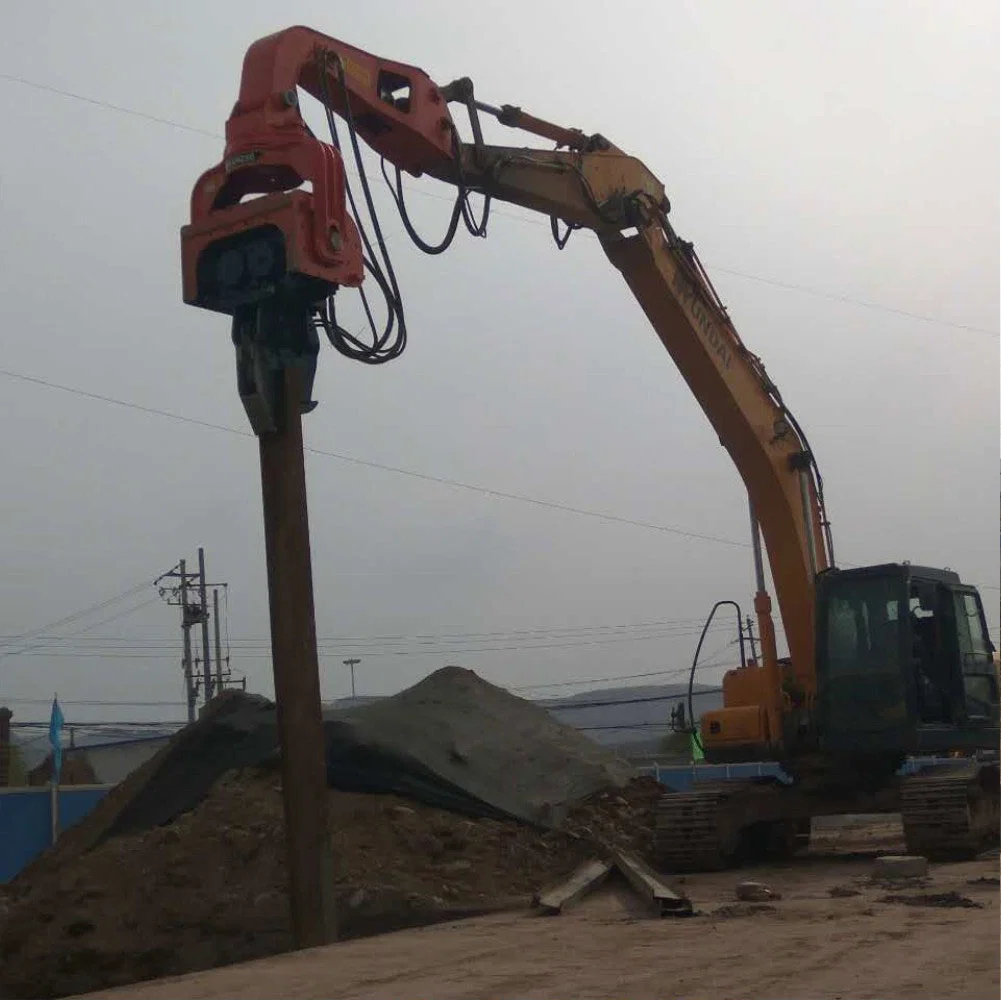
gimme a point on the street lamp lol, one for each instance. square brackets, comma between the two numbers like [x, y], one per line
[350, 664]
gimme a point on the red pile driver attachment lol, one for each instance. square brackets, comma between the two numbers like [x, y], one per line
[285, 240]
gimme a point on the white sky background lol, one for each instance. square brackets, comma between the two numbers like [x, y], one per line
[850, 148]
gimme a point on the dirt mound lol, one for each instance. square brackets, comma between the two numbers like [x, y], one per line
[453, 741]
[457, 741]
[227, 735]
[181, 867]
[622, 818]
[210, 888]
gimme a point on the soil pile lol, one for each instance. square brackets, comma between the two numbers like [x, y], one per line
[210, 888]
[230, 733]
[453, 741]
[456, 741]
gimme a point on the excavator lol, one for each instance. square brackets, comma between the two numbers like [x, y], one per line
[885, 663]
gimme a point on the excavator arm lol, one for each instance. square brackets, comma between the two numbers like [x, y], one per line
[271, 262]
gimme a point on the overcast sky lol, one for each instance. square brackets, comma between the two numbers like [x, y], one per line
[819, 156]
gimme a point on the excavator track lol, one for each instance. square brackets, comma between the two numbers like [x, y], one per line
[724, 824]
[693, 831]
[950, 816]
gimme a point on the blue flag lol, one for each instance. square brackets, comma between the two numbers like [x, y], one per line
[56, 739]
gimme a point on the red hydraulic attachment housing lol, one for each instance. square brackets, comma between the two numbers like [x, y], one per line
[289, 242]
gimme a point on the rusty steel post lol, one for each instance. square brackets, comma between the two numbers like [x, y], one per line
[296, 671]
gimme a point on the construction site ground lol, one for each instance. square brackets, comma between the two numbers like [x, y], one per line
[435, 902]
[833, 934]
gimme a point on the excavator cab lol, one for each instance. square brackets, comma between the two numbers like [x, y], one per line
[904, 664]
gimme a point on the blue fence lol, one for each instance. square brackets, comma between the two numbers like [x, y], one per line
[26, 821]
[681, 777]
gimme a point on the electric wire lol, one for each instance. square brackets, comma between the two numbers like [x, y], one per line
[682, 626]
[396, 470]
[382, 466]
[545, 702]
[805, 289]
[76, 615]
[345, 648]
[38, 647]
[556, 705]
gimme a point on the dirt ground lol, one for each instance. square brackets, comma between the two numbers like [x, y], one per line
[210, 888]
[833, 934]
[209, 891]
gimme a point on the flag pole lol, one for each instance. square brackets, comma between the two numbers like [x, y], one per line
[56, 742]
[55, 809]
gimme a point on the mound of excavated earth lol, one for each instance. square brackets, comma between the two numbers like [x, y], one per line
[450, 798]
[210, 887]
[456, 741]
[453, 740]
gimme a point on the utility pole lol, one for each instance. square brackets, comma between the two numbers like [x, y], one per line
[218, 644]
[350, 664]
[296, 667]
[194, 611]
[206, 662]
[750, 637]
[189, 677]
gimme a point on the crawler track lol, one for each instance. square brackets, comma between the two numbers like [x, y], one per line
[952, 815]
[693, 831]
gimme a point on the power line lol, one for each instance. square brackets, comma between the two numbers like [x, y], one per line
[76, 615]
[339, 649]
[400, 471]
[579, 706]
[522, 498]
[835, 297]
[677, 672]
[397, 470]
[548, 705]
[119, 108]
[115, 617]
[368, 650]
[44, 640]
[674, 672]
[683, 626]
[167, 724]
[39, 647]
[28, 649]
[122, 402]
[103, 703]
[788, 286]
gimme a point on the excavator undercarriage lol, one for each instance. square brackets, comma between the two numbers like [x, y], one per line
[949, 812]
